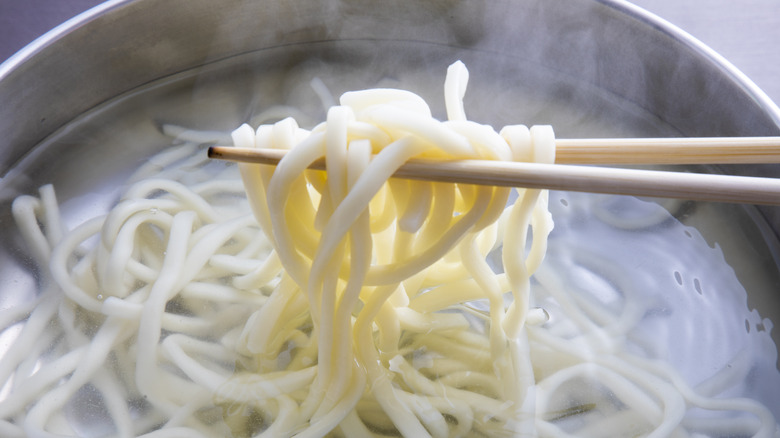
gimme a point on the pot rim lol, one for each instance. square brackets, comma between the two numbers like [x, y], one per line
[623, 6]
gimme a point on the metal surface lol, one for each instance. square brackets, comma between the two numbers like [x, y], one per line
[746, 33]
[651, 68]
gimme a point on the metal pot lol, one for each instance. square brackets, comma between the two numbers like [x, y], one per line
[82, 105]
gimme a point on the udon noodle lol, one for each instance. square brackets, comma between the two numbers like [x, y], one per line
[288, 301]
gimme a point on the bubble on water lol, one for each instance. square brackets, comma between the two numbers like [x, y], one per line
[678, 277]
[697, 285]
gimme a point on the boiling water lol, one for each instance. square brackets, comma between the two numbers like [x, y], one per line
[631, 255]
[674, 274]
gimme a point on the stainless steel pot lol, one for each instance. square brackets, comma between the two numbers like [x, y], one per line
[81, 106]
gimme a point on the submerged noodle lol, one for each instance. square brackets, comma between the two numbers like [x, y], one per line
[298, 302]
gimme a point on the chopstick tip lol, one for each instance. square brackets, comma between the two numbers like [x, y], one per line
[214, 152]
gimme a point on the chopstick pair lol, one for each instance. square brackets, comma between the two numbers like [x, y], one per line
[570, 174]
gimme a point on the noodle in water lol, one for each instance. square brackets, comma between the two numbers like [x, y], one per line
[293, 302]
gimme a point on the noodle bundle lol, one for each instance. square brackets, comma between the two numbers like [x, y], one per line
[406, 255]
[293, 302]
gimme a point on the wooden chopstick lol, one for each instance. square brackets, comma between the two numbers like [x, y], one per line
[650, 183]
[701, 150]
